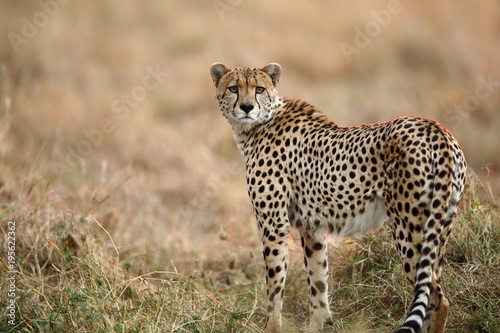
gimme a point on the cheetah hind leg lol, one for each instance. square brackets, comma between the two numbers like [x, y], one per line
[436, 320]
[438, 304]
[316, 263]
[432, 315]
[437, 313]
[439, 323]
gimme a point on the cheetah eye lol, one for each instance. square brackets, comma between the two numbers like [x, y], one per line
[259, 90]
[233, 89]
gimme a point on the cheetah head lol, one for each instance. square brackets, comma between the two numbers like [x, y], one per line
[247, 96]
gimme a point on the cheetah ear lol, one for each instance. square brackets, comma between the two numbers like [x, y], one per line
[217, 71]
[274, 71]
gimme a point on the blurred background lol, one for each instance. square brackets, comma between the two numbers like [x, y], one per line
[111, 103]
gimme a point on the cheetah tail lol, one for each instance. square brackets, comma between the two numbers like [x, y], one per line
[441, 215]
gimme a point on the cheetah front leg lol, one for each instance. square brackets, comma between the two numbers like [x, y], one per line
[315, 260]
[274, 238]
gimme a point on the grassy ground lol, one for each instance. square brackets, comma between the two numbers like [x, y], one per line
[128, 192]
[72, 277]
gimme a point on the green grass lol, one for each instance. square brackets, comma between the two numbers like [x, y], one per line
[71, 277]
[95, 293]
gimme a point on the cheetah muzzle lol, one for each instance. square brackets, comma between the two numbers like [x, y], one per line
[305, 171]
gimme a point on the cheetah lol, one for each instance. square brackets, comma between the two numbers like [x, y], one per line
[305, 171]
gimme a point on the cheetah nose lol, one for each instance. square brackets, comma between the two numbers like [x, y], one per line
[246, 107]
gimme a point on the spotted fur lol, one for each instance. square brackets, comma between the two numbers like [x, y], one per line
[305, 171]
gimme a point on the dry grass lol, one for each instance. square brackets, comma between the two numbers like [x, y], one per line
[165, 182]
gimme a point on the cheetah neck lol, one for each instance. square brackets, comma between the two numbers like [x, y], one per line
[244, 137]
[244, 132]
